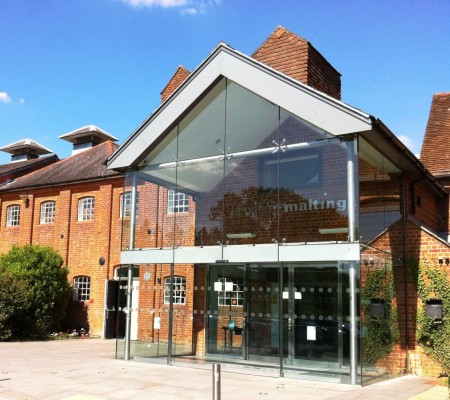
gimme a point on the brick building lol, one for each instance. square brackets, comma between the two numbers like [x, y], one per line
[263, 212]
[72, 205]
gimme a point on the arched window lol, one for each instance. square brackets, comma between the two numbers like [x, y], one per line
[82, 288]
[179, 290]
[86, 209]
[13, 215]
[48, 209]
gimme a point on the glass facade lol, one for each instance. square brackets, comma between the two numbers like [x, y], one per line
[284, 225]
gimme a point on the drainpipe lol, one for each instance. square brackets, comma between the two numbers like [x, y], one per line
[405, 268]
[130, 268]
[351, 200]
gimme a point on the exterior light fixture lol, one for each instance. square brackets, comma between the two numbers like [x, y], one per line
[440, 260]
[101, 261]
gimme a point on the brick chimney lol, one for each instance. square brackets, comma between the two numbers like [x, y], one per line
[435, 153]
[296, 57]
[177, 79]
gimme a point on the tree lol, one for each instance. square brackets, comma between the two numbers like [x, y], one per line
[37, 271]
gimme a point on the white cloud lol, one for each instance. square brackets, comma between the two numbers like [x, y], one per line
[188, 7]
[4, 98]
[22, 101]
[156, 3]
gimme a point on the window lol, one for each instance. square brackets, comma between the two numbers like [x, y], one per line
[177, 202]
[48, 209]
[297, 170]
[81, 288]
[235, 296]
[179, 290]
[86, 209]
[13, 215]
[125, 204]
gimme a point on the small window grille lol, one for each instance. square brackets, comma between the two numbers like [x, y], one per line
[81, 288]
[13, 215]
[48, 209]
[179, 290]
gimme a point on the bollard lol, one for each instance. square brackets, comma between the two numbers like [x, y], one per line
[216, 381]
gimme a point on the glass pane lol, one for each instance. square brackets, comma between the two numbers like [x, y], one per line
[380, 183]
[263, 326]
[251, 121]
[249, 209]
[313, 192]
[202, 131]
[225, 311]
[165, 151]
[184, 319]
[380, 312]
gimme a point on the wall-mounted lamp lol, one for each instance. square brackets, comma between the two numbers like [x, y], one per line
[61, 236]
[25, 198]
[149, 231]
[101, 261]
[447, 261]
[440, 260]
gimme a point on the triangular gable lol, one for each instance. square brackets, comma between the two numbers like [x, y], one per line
[311, 105]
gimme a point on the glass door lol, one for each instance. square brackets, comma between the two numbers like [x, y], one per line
[225, 310]
[314, 300]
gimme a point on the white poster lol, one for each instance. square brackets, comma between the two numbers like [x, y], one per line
[157, 323]
[310, 333]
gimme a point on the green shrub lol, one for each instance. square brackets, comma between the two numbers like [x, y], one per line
[39, 270]
[13, 301]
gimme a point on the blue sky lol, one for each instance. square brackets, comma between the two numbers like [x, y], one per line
[70, 63]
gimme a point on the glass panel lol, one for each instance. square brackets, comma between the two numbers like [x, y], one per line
[249, 209]
[251, 121]
[225, 311]
[316, 320]
[313, 192]
[121, 277]
[202, 131]
[184, 319]
[165, 151]
[380, 183]
[263, 316]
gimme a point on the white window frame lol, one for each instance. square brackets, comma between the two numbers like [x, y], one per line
[81, 288]
[13, 215]
[179, 290]
[177, 202]
[48, 210]
[233, 298]
[86, 208]
[125, 205]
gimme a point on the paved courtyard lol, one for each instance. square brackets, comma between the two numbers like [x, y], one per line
[86, 369]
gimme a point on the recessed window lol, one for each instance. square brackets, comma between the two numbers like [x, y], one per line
[179, 290]
[81, 288]
[234, 297]
[86, 209]
[293, 171]
[48, 209]
[177, 202]
[13, 215]
[125, 204]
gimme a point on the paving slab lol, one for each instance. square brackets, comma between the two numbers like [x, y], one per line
[85, 369]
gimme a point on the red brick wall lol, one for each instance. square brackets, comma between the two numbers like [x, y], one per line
[80, 243]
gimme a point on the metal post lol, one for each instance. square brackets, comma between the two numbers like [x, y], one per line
[351, 201]
[130, 268]
[216, 381]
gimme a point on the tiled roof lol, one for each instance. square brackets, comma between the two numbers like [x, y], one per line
[20, 166]
[435, 152]
[84, 166]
